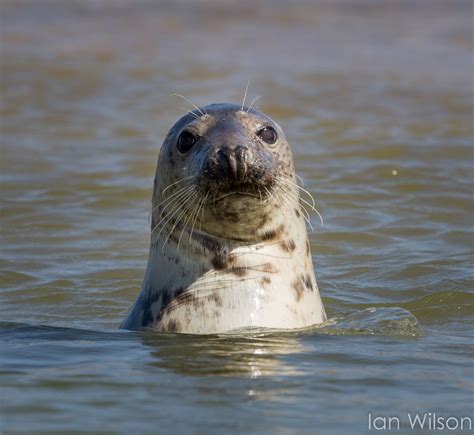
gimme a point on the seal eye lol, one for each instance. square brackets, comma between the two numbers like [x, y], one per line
[186, 141]
[268, 135]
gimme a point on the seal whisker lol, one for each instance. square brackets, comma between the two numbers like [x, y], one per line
[292, 183]
[183, 211]
[198, 210]
[292, 198]
[172, 198]
[311, 205]
[271, 196]
[312, 208]
[252, 103]
[194, 214]
[177, 182]
[190, 102]
[189, 111]
[173, 211]
[285, 198]
[168, 206]
[193, 206]
[176, 194]
[189, 211]
[202, 213]
[175, 224]
[245, 95]
[300, 179]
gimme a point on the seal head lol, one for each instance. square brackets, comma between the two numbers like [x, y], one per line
[233, 156]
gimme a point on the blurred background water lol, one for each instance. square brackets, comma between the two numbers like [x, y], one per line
[376, 98]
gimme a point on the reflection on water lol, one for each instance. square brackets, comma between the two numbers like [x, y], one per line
[376, 100]
[249, 356]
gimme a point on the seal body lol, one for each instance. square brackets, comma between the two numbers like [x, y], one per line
[229, 247]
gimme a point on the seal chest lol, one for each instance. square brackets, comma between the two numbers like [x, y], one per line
[229, 247]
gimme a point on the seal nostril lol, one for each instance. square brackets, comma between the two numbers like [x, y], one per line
[233, 165]
[241, 154]
[230, 163]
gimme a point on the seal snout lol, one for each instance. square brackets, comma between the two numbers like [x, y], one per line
[236, 167]
[232, 163]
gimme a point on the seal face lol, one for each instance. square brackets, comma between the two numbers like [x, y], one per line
[229, 247]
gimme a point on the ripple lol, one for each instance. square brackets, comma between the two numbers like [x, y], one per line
[390, 321]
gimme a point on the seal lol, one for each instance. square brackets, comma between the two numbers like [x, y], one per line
[229, 247]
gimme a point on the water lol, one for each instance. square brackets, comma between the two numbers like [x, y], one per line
[377, 102]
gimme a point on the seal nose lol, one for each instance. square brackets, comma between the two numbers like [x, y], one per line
[233, 162]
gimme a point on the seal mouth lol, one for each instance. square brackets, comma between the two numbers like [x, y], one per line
[237, 193]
